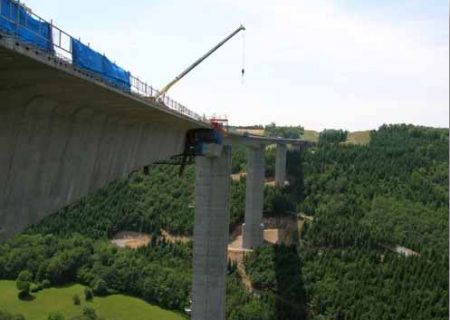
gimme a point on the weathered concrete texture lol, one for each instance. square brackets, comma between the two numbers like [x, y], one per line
[253, 228]
[280, 165]
[63, 136]
[211, 236]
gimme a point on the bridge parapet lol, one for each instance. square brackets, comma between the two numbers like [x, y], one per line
[28, 29]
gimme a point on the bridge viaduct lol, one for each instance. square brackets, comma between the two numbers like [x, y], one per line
[64, 133]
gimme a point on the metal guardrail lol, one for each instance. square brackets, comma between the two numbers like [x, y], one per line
[62, 49]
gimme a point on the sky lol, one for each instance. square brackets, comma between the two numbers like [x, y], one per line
[343, 64]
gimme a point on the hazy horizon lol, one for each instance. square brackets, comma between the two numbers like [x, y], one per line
[318, 130]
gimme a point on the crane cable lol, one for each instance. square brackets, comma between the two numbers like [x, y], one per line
[243, 58]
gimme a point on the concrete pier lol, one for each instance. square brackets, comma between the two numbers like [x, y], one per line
[253, 228]
[212, 184]
[280, 165]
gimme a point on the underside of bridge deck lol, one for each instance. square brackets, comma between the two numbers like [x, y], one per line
[63, 135]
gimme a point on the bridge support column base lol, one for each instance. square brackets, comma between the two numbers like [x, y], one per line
[211, 236]
[252, 236]
[253, 228]
[280, 165]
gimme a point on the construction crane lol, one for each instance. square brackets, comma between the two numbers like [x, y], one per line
[196, 63]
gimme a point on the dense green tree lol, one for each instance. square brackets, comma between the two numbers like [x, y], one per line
[89, 313]
[100, 287]
[23, 283]
[88, 294]
[76, 299]
[291, 132]
[332, 136]
[366, 201]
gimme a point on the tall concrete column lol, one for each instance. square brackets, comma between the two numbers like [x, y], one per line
[253, 228]
[212, 184]
[280, 165]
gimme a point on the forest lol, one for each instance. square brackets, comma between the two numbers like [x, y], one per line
[366, 201]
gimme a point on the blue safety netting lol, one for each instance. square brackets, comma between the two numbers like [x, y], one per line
[217, 136]
[14, 19]
[86, 58]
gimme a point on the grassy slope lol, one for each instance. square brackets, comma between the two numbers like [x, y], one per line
[114, 307]
[358, 137]
[311, 135]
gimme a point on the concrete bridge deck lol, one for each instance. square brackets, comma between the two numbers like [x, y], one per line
[26, 67]
[64, 134]
[252, 140]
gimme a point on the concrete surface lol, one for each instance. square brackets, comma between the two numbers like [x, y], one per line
[280, 165]
[64, 135]
[252, 140]
[253, 228]
[212, 184]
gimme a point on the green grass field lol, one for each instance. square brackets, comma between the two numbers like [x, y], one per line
[113, 307]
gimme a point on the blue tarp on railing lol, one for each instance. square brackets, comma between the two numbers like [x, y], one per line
[14, 19]
[86, 58]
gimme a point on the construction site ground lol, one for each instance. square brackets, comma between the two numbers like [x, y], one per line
[285, 229]
[134, 240]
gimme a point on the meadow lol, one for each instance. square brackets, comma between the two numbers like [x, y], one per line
[113, 307]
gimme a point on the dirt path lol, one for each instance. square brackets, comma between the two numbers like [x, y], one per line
[270, 182]
[236, 254]
[278, 230]
[300, 224]
[130, 239]
[174, 238]
[403, 251]
[306, 217]
[244, 277]
[237, 176]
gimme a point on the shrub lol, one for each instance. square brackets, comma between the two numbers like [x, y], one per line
[88, 294]
[76, 299]
[23, 295]
[23, 283]
[55, 316]
[36, 287]
[45, 283]
[100, 288]
[89, 313]
[4, 315]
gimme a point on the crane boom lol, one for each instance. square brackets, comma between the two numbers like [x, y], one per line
[197, 62]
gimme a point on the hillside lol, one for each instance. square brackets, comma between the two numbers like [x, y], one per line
[394, 191]
[358, 137]
[311, 135]
[363, 199]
